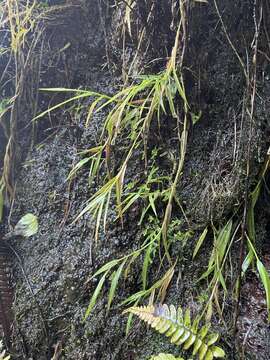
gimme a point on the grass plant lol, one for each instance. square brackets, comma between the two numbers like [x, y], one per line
[146, 103]
[133, 111]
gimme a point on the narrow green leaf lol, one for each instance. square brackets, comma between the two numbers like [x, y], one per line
[217, 352]
[212, 339]
[255, 194]
[169, 97]
[197, 345]
[78, 166]
[129, 322]
[187, 318]
[106, 211]
[251, 224]
[91, 110]
[248, 260]
[223, 239]
[66, 90]
[130, 318]
[200, 242]
[131, 261]
[60, 105]
[152, 198]
[221, 280]
[180, 88]
[114, 284]
[98, 219]
[146, 262]
[209, 355]
[106, 267]
[266, 283]
[202, 351]
[129, 201]
[135, 297]
[195, 117]
[250, 214]
[1, 204]
[119, 189]
[207, 273]
[163, 356]
[95, 296]
[190, 341]
[204, 331]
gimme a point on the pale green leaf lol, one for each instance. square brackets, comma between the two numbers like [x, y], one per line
[107, 266]
[212, 339]
[1, 204]
[27, 226]
[217, 352]
[146, 262]
[95, 296]
[266, 283]
[248, 260]
[77, 97]
[209, 355]
[114, 284]
[163, 356]
[78, 166]
[200, 242]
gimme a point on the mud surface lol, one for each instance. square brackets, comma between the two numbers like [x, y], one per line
[53, 268]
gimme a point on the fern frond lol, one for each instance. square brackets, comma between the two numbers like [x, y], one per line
[165, 357]
[3, 355]
[181, 329]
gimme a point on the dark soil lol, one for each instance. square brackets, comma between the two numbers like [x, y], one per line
[53, 268]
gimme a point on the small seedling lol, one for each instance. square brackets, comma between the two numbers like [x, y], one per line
[27, 226]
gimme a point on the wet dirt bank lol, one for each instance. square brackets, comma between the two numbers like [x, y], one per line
[53, 268]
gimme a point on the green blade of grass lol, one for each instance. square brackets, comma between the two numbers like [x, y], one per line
[266, 283]
[146, 262]
[223, 239]
[200, 242]
[114, 284]
[95, 296]
[59, 105]
[1, 204]
[77, 167]
[105, 268]
[248, 260]
[91, 110]
[99, 215]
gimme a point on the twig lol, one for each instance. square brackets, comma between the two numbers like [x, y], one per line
[246, 195]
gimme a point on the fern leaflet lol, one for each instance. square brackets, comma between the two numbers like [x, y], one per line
[165, 357]
[181, 329]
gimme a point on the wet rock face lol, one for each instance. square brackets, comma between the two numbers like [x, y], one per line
[59, 260]
[253, 326]
[53, 290]
[253, 331]
[217, 154]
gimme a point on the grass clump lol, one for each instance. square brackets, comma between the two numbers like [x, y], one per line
[145, 104]
[133, 112]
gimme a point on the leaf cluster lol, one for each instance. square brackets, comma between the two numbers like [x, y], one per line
[163, 356]
[117, 268]
[181, 330]
[3, 355]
